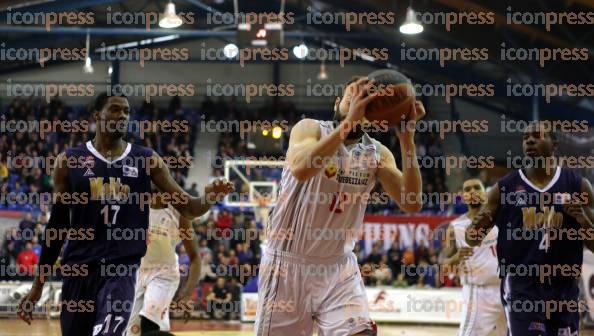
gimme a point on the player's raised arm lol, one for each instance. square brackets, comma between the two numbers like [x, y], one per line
[58, 222]
[191, 207]
[484, 220]
[584, 213]
[405, 186]
[308, 152]
[189, 241]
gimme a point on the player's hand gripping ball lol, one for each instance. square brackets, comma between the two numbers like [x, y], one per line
[395, 100]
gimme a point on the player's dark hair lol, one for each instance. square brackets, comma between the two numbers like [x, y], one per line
[103, 97]
[551, 132]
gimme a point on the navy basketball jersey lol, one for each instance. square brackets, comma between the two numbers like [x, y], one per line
[111, 221]
[533, 229]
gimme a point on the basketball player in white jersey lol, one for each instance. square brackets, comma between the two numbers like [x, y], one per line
[158, 276]
[309, 278]
[482, 311]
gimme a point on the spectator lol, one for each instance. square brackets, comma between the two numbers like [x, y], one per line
[36, 246]
[382, 275]
[3, 169]
[251, 285]
[400, 281]
[422, 252]
[428, 274]
[224, 226]
[203, 249]
[235, 291]
[409, 256]
[219, 299]
[27, 225]
[193, 190]
[206, 272]
[394, 261]
[375, 256]
[233, 260]
[26, 260]
[184, 260]
[244, 256]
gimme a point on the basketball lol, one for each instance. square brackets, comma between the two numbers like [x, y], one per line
[396, 97]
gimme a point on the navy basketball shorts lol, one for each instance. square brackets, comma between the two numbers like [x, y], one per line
[99, 303]
[535, 308]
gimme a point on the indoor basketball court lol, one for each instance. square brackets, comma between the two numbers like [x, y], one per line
[296, 167]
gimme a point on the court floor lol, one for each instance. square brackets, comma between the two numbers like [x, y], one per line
[11, 327]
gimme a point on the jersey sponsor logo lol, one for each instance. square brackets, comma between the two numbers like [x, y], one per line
[130, 171]
[112, 190]
[355, 180]
[547, 218]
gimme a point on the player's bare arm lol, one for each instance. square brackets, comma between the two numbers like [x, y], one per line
[308, 152]
[405, 186]
[453, 255]
[584, 213]
[483, 222]
[189, 241]
[191, 207]
[50, 251]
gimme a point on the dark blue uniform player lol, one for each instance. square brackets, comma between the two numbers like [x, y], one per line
[102, 196]
[543, 213]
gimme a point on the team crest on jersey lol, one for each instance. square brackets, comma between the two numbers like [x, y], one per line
[331, 170]
[538, 326]
[130, 171]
